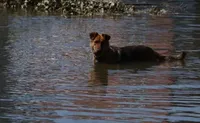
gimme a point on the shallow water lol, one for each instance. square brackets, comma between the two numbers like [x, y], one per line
[47, 73]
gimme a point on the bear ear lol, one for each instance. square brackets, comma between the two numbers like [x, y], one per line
[93, 35]
[107, 37]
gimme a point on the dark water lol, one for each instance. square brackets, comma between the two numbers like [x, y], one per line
[47, 74]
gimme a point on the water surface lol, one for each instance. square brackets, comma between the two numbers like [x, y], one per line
[47, 73]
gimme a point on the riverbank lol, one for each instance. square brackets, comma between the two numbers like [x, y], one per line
[80, 7]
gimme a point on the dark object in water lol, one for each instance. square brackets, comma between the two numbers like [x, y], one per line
[105, 53]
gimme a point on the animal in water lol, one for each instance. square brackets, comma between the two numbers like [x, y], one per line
[105, 53]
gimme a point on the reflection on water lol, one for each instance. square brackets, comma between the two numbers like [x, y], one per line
[47, 73]
[3, 53]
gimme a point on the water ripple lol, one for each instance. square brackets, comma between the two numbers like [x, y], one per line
[50, 76]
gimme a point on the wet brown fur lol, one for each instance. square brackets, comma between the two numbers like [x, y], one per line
[105, 53]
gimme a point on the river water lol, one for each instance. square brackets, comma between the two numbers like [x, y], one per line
[47, 74]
